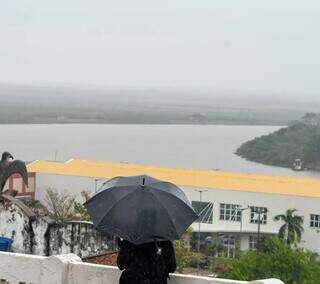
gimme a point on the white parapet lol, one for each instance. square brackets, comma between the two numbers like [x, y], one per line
[267, 281]
[69, 269]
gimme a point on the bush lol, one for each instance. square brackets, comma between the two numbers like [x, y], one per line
[193, 259]
[59, 205]
[219, 264]
[184, 257]
[79, 210]
[276, 260]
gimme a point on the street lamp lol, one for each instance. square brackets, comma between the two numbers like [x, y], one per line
[259, 211]
[96, 183]
[199, 223]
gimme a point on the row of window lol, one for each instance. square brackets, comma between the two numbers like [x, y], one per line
[229, 212]
[233, 212]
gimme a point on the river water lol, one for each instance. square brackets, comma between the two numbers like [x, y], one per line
[196, 146]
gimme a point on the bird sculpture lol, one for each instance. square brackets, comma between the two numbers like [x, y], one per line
[8, 167]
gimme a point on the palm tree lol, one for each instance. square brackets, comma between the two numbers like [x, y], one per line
[292, 229]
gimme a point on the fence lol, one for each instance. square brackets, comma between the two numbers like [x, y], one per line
[68, 269]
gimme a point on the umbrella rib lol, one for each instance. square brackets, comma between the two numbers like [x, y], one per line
[105, 189]
[169, 183]
[166, 210]
[124, 197]
[175, 197]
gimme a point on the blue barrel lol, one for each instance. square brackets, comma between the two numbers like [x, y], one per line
[5, 244]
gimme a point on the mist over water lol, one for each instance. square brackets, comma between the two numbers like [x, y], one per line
[191, 146]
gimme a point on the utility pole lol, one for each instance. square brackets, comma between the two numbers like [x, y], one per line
[199, 225]
[96, 184]
[259, 222]
[259, 211]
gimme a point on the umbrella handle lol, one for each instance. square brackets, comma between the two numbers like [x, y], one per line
[158, 250]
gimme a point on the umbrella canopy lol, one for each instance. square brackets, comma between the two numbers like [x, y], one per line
[141, 209]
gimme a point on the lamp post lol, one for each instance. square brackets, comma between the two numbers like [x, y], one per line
[199, 225]
[96, 184]
[259, 211]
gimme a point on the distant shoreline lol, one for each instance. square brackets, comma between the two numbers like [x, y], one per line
[137, 123]
[47, 105]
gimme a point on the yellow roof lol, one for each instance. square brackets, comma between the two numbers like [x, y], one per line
[184, 176]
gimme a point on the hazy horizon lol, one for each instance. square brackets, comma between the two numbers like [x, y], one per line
[259, 47]
[43, 104]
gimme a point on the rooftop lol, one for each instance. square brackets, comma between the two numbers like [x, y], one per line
[183, 176]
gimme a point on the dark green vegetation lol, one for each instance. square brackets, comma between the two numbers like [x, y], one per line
[276, 259]
[30, 104]
[300, 140]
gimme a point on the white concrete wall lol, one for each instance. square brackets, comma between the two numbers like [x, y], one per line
[14, 224]
[68, 269]
[276, 204]
[63, 183]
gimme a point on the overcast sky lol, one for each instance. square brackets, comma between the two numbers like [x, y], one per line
[220, 44]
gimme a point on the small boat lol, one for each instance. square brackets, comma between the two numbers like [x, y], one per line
[297, 165]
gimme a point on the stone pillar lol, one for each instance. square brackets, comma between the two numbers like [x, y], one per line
[55, 269]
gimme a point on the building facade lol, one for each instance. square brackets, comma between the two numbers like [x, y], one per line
[233, 219]
[230, 205]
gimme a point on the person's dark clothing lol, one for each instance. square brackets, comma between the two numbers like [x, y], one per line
[148, 263]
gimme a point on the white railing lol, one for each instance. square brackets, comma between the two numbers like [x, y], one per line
[68, 269]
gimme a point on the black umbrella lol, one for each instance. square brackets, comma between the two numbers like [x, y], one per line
[141, 209]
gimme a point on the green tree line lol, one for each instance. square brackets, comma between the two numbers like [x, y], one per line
[280, 148]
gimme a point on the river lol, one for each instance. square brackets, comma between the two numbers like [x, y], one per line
[196, 146]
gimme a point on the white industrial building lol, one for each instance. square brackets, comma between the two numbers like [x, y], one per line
[228, 200]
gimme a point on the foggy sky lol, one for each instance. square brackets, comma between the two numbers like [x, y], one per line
[266, 45]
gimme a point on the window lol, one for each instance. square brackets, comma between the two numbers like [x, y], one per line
[254, 216]
[204, 210]
[228, 242]
[315, 221]
[230, 212]
[253, 241]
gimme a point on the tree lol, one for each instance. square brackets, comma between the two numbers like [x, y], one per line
[59, 205]
[311, 154]
[80, 211]
[292, 229]
[276, 259]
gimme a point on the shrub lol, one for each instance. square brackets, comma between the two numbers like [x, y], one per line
[276, 260]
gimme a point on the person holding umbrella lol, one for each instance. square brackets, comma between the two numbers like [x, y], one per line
[148, 263]
[147, 214]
